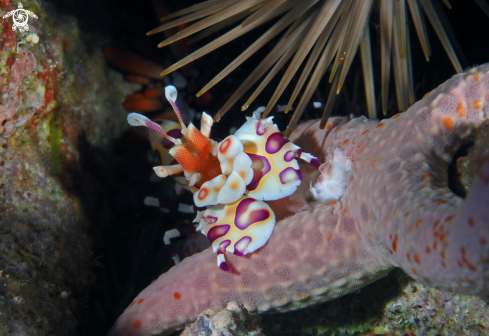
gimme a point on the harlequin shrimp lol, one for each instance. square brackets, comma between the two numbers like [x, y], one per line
[231, 179]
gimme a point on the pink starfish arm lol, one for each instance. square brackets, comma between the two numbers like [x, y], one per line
[303, 263]
[396, 192]
[398, 188]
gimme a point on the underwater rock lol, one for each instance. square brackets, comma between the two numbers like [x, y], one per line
[234, 320]
[394, 305]
[55, 93]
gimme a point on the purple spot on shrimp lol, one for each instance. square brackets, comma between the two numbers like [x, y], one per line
[223, 245]
[315, 162]
[289, 156]
[211, 219]
[289, 175]
[261, 167]
[259, 129]
[224, 267]
[241, 245]
[158, 155]
[244, 218]
[175, 133]
[275, 142]
[166, 143]
[218, 231]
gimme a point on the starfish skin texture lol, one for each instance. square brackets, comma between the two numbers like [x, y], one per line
[397, 212]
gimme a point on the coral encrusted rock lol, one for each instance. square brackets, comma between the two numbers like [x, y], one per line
[55, 93]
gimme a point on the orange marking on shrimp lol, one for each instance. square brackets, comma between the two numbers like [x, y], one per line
[426, 94]
[328, 127]
[132, 303]
[411, 227]
[364, 132]
[477, 77]
[471, 222]
[408, 256]
[435, 245]
[461, 110]
[406, 214]
[428, 250]
[442, 236]
[136, 324]
[394, 243]
[396, 116]
[346, 141]
[203, 192]
[177, 296]
[415, 271]
[426, 279]
[483, 241]
[153, 281]
[435, 224]
[420, 206]
[477, 104]
[448, 123]
[296, 131]
[234, 185]
[442, 253]
[394, 213]
[416, 258]
[368, 216]
[374, 162]
[443, 264]
[386, 218]
[309, 131]
[140, 301]
[418, 223]
[379, 125]
[345, 211]
[225, 145]
[439, 201]
[370, 234]
[459, 263]
[332, 203]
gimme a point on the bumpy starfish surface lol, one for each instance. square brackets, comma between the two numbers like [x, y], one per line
[397, 211]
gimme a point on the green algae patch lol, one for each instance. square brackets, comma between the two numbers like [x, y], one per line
[5, 327]
[53, 134]
[354, 328]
